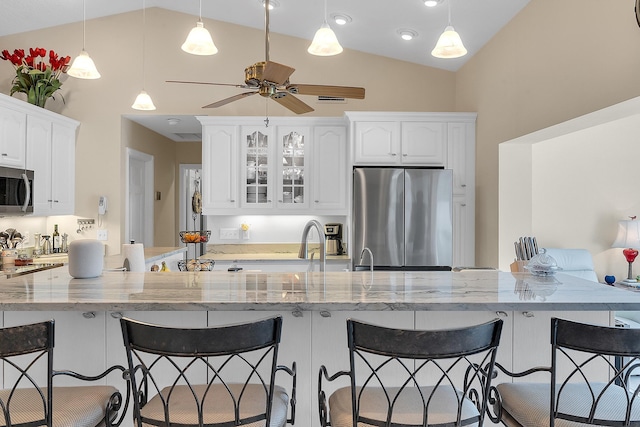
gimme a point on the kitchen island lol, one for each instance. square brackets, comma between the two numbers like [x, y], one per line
[314, 307]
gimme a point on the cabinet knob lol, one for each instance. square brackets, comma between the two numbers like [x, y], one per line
[89, 314]
[501, 313]
[463, 204]
[280, 201]
[49, 200]
[232, 201]
[528, 314]
[297, 313]
[405, 155]
[463, 185]
[317, 201]
[116, 314]
[4, 154]
[268, 200]
[325, 313]
[393, 154]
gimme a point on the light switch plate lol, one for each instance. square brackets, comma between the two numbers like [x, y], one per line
[229, 234]
[101, 234]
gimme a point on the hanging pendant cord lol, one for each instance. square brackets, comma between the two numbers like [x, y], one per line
[266, 30]
[84, 22]
[200, 13]
[144, 23]
[449, 4]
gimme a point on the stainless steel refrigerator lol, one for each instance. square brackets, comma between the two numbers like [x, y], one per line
[404, 216]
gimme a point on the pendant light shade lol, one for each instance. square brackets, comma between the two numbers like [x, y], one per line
[199, 41]
[449, 44]
[83, 66]
[325, 42]
[143, 102]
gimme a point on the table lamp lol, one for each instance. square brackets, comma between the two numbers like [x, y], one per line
[628, 238]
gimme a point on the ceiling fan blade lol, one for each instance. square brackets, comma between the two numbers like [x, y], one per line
[276, 73]
[291, 102]
[208, 83]
[228, 100]
[322, 90]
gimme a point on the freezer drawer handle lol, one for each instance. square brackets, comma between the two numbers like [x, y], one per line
[502, 313]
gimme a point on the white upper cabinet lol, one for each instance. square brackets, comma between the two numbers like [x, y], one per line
[248, 167]
[424, 143]
[45, 142]
[220, 146]
[12, 135]
[377, 143]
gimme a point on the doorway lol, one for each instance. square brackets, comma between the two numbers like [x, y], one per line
[190, 183]
[139, 198]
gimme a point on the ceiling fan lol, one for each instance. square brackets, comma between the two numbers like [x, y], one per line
[271, 80]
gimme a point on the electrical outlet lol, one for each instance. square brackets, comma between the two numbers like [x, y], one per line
[101, 234]
[229, 233]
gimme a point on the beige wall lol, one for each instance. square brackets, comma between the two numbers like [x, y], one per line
[556, 60]
[115, 45]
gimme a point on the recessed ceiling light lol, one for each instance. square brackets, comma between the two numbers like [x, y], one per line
[272, 4]
[340, 18]
[432, 3]
[173, 121]
[407, 34]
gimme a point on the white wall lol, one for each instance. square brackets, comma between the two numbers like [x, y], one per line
[582, 180]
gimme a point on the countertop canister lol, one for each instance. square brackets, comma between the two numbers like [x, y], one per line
[86, 258]
[133, 254]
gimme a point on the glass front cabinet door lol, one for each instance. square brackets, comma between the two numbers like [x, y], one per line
[293, 173]
[257, 165]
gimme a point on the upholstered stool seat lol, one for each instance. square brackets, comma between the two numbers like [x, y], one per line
[408, 407]
[82, 406]
[576, 401]
[219, 408]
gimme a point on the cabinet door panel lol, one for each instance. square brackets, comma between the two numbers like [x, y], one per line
[39, 160]
[463, 233]
[12, 137]
[424, 143]
[63, 155]
[330, 169]
[377, 143]
[461, 157]
[257, 174]
[293, 172]
[219, 168]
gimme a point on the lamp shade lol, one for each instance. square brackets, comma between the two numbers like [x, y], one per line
[143, 102]
[199, 41]
[325, 42]
[449, 45]
[83, 67]
[628, 235]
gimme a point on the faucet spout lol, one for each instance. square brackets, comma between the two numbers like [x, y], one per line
[366, 249]
[304, 247]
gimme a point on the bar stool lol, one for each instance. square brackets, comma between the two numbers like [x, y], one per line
[414, 378]
[26, 403]
[216, 376]
[586, 386]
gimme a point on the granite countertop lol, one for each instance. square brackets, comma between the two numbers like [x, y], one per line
[451, 291]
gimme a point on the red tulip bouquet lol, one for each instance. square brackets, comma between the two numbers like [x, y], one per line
[36, 78]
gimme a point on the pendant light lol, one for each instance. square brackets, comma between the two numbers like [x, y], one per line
[199, 40]
[83, 66]
[325, 42]
[449, 44]
[143, 100]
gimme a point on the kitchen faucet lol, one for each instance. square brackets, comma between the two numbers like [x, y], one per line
[304, 247]
[366, 249]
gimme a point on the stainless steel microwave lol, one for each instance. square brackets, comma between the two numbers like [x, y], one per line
[16, 191]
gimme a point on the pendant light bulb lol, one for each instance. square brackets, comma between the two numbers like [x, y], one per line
[325, 42]
[199, 41]
[143, 102]
[83, 67]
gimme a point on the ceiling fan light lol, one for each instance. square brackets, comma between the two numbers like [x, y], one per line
[199, 41]
[325, 42]
[449, 45]
[143, 102]
[83, 67]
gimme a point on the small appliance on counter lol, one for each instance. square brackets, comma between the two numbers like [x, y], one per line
[333, 233]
